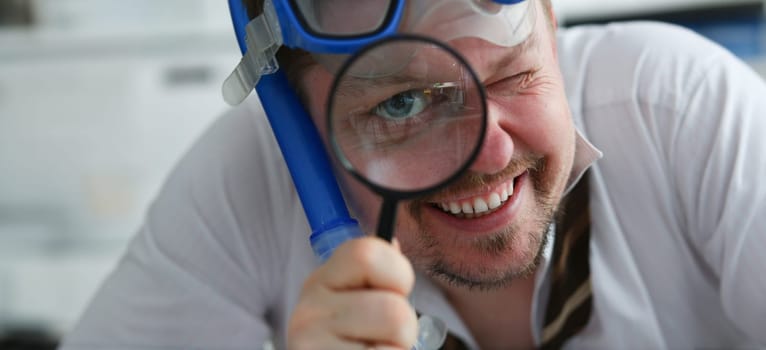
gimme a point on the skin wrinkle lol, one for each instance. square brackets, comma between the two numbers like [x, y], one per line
[515, 54]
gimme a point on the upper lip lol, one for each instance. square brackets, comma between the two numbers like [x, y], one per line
[465, 194]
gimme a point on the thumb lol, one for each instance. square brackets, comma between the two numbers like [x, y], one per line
[395, 243]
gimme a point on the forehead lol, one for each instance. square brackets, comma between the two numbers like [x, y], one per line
[313, 80]
[427, 63]
[442, 19]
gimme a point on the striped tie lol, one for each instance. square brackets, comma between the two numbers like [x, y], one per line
[570, 300]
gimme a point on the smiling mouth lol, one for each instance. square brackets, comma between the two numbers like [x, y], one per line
[480, 205]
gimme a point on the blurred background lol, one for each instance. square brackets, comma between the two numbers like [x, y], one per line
[99, 98]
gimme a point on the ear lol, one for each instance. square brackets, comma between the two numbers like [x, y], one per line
[554, 26]
[552, 14]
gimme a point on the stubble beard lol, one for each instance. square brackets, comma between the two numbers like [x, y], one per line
[431, 257]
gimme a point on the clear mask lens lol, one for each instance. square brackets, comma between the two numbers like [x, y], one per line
[343, 17]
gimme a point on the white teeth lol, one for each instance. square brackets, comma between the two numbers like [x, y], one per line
[454, 208]
[480, 206]
[494, 201]
[467, 208]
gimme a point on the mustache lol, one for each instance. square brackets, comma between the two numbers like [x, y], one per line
[472, 180]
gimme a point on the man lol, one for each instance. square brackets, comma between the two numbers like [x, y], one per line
[676, 216]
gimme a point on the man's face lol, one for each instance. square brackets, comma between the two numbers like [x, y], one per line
[524, 162]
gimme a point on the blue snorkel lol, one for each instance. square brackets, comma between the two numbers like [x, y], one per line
[304, 154]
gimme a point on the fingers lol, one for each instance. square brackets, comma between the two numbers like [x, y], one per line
[367, 263]
[375, 316]
[357, 300]
[362, 317]
[339, 344]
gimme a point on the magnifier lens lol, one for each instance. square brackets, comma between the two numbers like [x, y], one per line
[406, 114]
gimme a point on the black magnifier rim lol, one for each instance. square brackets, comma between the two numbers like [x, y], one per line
[384, 191]
[383, 25]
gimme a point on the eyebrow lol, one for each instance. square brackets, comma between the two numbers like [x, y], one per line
[352, 86]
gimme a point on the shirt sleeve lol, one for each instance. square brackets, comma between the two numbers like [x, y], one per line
[204, 268]
[719, 161]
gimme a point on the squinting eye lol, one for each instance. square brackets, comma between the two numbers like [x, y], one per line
[402, 106]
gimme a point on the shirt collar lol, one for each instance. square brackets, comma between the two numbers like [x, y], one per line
[585, 155]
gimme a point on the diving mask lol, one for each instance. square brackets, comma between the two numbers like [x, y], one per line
[333, 29]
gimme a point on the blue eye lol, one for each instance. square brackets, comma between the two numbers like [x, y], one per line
[402, 106]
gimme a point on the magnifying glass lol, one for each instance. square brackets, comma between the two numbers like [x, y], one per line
[406, 116]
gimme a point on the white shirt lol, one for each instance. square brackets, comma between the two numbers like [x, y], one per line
[678, 230]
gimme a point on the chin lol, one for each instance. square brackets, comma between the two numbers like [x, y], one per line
[486, 252]
[486, 263]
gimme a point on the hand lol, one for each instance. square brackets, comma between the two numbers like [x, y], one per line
[357, 300]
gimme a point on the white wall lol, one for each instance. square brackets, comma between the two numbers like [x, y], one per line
[588, 9]
[97, 102]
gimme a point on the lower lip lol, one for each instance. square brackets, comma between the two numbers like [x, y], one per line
[487, 224]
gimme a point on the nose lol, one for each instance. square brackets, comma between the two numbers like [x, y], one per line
[497, 149]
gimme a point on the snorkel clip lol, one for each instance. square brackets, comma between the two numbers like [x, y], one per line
[264, 37]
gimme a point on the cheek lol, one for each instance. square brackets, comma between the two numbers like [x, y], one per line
[552, 132]
[362, 202]
[541, 111]
[540, 124]
[316, 86]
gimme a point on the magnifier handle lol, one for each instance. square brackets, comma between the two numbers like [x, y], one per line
[386, 219]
